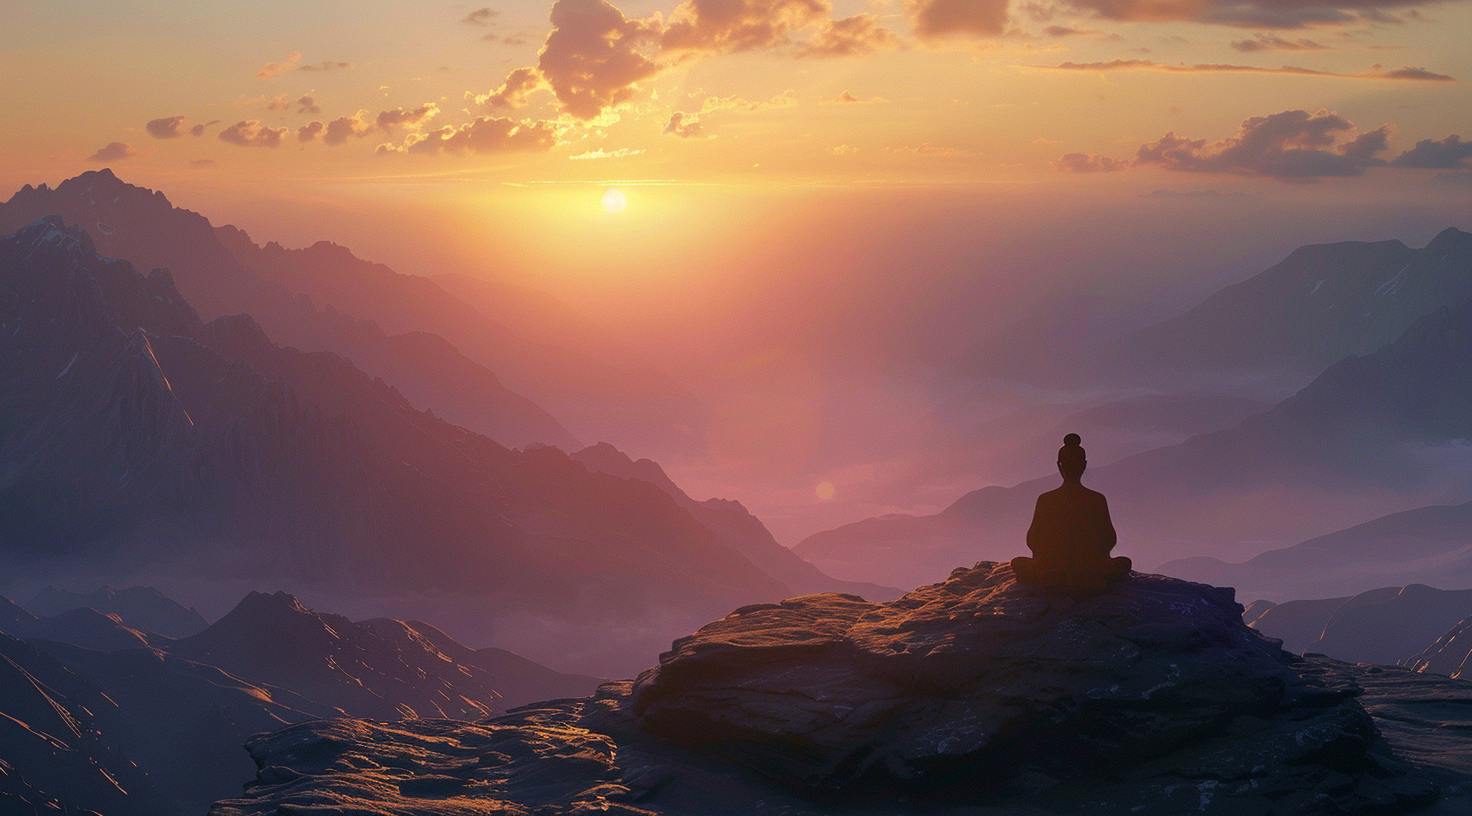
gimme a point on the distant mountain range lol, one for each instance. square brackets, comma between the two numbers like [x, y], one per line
[141, 442]
[167, 719]
[141, 226]
[1388, 625]
[1370, 436]
[1321, 304]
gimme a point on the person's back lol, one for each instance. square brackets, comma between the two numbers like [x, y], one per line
[1071, 534]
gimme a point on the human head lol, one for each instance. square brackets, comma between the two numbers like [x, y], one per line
[1071, 458]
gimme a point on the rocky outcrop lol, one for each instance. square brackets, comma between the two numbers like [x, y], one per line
[1152, 698]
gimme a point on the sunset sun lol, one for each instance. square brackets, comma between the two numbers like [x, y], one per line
[614, 200]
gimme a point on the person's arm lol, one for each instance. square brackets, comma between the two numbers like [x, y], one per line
[1035, 530]
[1107, 536]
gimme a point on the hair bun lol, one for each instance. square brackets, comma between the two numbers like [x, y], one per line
[1072, 440]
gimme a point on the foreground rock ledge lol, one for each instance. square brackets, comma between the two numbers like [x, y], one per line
[965, 696]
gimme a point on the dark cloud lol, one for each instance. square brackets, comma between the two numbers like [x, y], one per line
[1292, 145]
[113, 151]
[726, 26]
[1448, 154]
[851, 36]
[1260, 14]
[309, 131]
[1414, 74]
[592, 58]
[169, 127]
[847, 98]
[342, 128]
[943, 18]
[327, 66]
[307, 105]
[1417, 73]
[481, 17]
[198, 130]
[251, 133]
[1272, 42]
[276, 69]
[399, 117]
[482, 136]
[1088, 163]
[683, 125]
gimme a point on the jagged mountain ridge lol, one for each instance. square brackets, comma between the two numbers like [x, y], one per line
[379, 669]
[1319, 305]
[141, 226]
[181, 710]
[271, 462]
[142, 608]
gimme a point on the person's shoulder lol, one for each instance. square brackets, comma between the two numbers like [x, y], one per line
[1095, 495]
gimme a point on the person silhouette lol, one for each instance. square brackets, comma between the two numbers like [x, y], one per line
[1071, 533]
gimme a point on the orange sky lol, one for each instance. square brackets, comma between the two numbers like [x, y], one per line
[840, 184]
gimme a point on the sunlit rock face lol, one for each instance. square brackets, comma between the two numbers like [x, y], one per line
[1151, 697]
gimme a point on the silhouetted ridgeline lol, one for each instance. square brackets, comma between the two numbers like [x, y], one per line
[142, 442]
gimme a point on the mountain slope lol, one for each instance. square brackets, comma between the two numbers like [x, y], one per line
[142, 227]
[143, 608]
[1320, 304]
[1370, 436]
[211, 453]
[734, 525]
[634, 405]
[380, 669]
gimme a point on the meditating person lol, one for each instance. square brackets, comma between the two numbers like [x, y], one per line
[1071, 534]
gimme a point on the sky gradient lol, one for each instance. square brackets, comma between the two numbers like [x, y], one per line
[839, 190]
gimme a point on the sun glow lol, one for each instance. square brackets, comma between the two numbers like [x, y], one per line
[614, 200]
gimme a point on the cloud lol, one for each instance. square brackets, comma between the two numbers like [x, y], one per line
[851, 36]
[198, 130]
[1260, 14]
[1088, 163]
[276, 69]
[281, 102]
[1215, 68]
[169, 127]
[481, 17]
[339, 130]
[398, 117]
[307, 105]
[1272, 42]
[592, 58]
[1292, 145]
[483, 136]
[683, 125]
[847, 98]
[327, 65]
[309, 131]
[113, 151]
[1448, 154]
[595, 57]
[600, 153]
[934, 19]
[513, 93]
[251, 133]
[727, 26]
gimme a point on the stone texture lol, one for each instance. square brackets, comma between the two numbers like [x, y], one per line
[973, 696]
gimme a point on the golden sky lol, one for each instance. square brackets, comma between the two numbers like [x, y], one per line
[860, 181]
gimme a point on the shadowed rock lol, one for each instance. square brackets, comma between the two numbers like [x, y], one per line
[976, 695]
